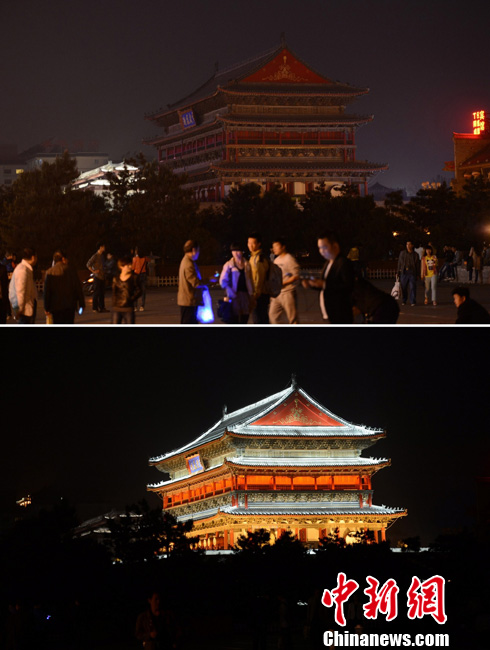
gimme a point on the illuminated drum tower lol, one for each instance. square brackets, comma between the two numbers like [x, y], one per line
[284, 463]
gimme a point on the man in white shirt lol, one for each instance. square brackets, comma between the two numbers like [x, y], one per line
[22, 289]
[286, 302]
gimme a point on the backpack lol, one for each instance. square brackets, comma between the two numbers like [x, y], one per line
[273, 280]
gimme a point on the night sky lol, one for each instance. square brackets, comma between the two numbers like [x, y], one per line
[83, 409]
[91, 71]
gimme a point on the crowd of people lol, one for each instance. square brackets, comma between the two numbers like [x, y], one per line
[260, 286]
[263, 289]
[63, 294]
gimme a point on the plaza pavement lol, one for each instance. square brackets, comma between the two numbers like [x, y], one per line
[162, 308]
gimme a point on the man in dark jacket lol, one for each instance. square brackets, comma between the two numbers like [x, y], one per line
[336, 282]
[409, 271]
[470, 312]
[4, 295]
[63, 292]
[189, 295]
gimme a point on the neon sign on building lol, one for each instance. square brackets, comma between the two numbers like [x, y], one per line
[478, 122]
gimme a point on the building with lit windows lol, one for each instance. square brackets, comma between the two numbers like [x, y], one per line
[284, 463]
[271, 120]
[471, 153]
[11, 164]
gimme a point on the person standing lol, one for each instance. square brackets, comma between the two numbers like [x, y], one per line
[260, 265]
[22, 289]
[140, 268]
[286, 302]
[5, 310]
[110, 268]
[476, 266]
[156, 627]
[125, 292]
[419, 249]
[336, 283]
[429, 275]
[96, 265]
[63, 292]
[409, 270]
[190, 282]
[236, 279]
[10, 262]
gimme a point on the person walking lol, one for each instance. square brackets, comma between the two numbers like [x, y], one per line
[22, 289]
[140, 269]
[96, 265]
[286, 302]
[260, 265]
[125, 292]
[236, 279]
[189, 295]
[336, 283]
[429, 275]
[63, 292]
[409, 270]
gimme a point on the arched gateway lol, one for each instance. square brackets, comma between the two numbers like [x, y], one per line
[284, 463]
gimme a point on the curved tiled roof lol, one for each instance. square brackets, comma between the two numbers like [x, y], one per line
[291, 510]
[230, 77]
[299, 120]
[240, 461]
[259, 419]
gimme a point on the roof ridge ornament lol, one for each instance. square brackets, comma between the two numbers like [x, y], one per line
[294, 381]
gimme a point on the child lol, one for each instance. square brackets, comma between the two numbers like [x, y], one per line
[125, 291]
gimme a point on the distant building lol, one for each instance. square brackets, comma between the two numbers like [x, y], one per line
[11, 164]
[283, 463]
[97, 180]
[471, 153]
[379, 192]
[99, 527]
[271, 120]
[48, 152]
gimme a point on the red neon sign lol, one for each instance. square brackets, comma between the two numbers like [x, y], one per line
[478, 122]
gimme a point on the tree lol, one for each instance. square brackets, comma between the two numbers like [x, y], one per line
[143, 533]
[356, 220]
[273, 213]
[151, 209]
[410, 544]
[256, 543]
[332, 540]
[44, 212]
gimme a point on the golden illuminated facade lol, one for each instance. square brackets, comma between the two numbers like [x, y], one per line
[272, 120]
[284, 463]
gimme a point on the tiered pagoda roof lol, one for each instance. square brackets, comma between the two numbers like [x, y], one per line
[277, 72]
[291, 413]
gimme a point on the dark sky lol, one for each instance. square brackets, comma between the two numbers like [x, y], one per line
[91, 71]
[84, 409]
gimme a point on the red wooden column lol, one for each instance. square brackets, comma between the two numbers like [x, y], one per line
[383, 534]
[225, 540]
